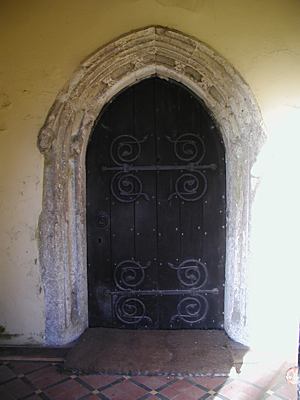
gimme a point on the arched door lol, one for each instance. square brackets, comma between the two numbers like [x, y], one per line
[156, 211]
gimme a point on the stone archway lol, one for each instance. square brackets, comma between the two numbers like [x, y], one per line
[152, 51]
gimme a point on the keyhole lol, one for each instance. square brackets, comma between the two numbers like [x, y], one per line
[100, 240]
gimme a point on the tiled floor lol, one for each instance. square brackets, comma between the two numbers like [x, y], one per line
[41, 380]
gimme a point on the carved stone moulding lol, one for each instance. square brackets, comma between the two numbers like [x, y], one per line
[152, 51]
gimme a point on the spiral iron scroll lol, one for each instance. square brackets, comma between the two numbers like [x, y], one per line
[131, 310]
[127, 187]
[126, 149]
[191, 309]
[190, 186]
[189, 148]
[129, 274]
[191, 273]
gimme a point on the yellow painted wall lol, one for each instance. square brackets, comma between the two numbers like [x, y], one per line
[43, 41]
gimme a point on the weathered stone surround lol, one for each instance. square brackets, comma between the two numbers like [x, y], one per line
[63, 140]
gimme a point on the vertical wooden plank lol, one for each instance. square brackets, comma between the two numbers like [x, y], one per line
[190, 128]
[145, 206]
[190, 149]
[122, 208]
[167, 208]
[98, 223]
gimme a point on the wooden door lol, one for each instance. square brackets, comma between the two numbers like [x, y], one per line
[156, 211]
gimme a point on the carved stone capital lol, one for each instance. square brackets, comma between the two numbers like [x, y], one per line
[45, 139]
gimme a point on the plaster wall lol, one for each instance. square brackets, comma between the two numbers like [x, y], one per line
[43, 42]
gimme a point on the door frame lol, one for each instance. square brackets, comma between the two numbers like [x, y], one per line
[152, 51]
[158, 214]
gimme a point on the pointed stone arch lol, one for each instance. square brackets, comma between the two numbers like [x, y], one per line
[152, 51]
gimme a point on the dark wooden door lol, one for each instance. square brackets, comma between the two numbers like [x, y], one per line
[156, 212]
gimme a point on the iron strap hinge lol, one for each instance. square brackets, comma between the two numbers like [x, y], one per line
[171, 292]
[137, 168]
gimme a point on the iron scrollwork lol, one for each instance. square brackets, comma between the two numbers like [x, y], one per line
[128, 297]
[188, 147]
[129, 274]
[126, 149]
[191, 309]
[127, 187]
[190, 186]
[191, 273]
[131, 310]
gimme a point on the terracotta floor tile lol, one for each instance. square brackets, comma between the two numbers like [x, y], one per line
[182, 388]
[44, 377]
[90, 397]
[24, 367]
[6, 373]
[68, 390]
[17, 388]
[241, 391]
[125, 390]
[209, 382]
[190, 394]
[169, 392]
[152, 382]
[98, 381]
[4, 395]
[264, 379]
[41, 375]
[195, 393]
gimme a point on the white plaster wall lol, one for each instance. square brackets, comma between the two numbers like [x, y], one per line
[43, 42]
